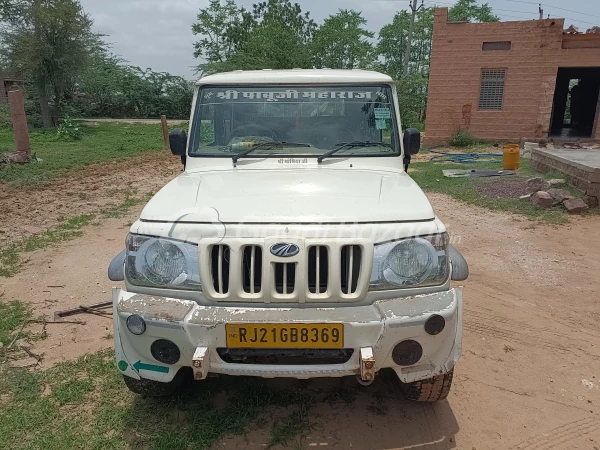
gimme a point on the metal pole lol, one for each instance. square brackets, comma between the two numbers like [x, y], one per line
[414, 10]
[165, 130]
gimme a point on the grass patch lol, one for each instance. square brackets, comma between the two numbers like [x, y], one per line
[117, 212]
[105, 142]
[290, 427]
[85, 404]
[12, 316]
[429, 176]
[10, 257]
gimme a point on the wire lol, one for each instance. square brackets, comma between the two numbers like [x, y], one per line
[493, 10]
[434, 2]
[554, 7]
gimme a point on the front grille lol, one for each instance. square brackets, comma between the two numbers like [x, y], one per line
[285, 278]
[291, 357]
[318, 269]
[242, 270]
[220, 265]
[252, 269]
[350, 261]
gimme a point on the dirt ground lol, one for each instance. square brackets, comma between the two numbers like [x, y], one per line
[529, 377]
[89, 190]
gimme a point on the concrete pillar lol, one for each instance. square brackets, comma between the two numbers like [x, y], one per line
[19, 121]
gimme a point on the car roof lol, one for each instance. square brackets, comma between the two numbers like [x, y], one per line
[296, 76]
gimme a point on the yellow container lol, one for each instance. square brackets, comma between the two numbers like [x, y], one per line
[512, 157]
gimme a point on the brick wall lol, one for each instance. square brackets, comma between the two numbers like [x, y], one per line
[531, 67]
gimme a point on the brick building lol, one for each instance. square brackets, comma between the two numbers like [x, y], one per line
[512, 80]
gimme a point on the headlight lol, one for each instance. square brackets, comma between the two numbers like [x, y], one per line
[163, 263]
[412, 262]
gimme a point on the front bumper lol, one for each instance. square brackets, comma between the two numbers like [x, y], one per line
[372, 331]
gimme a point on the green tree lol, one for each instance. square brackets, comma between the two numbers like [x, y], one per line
[111, 88]
[470, 11]
[391, 46]
[274, 34]
[215, 27]
[50, 42]
[342, 42]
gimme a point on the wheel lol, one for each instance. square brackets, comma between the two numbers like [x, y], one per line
[151, 388]
[429, 390]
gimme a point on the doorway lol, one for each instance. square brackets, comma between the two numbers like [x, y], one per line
[575, 105]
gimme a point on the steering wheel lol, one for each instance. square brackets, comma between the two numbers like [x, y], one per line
[251, 130]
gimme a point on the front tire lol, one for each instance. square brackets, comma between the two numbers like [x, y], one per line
[429, 390]
[151, 388]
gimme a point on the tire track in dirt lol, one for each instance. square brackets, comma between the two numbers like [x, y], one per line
[562, 434]
[487, 326]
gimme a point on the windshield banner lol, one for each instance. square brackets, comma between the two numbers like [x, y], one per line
[274, 96]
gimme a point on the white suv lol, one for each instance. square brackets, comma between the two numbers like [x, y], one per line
[294, 244]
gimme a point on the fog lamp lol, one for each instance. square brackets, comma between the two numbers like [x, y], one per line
[407, 353]
[136, 324]
[165, 351]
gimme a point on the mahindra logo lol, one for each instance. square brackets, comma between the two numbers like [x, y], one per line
[284, 250]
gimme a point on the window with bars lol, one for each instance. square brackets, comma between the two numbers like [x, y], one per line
[499, 45]
[491, 92]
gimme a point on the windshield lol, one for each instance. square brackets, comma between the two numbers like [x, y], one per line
[298, 120]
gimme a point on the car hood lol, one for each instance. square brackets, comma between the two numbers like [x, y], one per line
[290, 196]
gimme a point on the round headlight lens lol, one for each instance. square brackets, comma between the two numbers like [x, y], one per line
[410, 262]
[165, 263]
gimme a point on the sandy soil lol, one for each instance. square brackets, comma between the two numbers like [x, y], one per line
[529, 377]
[86, 191]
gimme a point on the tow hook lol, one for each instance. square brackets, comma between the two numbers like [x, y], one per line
[200, 363]
[367, 366]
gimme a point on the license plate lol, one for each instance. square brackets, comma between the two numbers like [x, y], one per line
[275, 335]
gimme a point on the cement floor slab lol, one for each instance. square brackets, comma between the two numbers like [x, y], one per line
[585, 159]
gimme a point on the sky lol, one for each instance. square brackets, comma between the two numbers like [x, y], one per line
[157, 33]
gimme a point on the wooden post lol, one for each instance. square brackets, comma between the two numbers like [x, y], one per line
[19, 121]
[163, 121]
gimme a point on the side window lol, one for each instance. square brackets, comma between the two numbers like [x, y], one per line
[491, 91]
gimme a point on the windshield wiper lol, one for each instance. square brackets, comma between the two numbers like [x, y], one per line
[343, 145]
[241, 154]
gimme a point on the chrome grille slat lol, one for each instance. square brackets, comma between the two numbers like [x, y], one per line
[317, 269]
[318, 275]
[284, 278]
[350, 261]
[220, 269]
[252, 261]
[251, 275]
[220, 265]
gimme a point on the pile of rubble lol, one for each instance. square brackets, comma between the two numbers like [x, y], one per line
[544, 195]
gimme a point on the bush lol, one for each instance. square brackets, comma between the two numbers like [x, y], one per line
[462, 138]
[5, 120]
[68, 130]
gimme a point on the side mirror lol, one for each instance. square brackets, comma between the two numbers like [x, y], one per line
[412, 141]
[178, 142]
